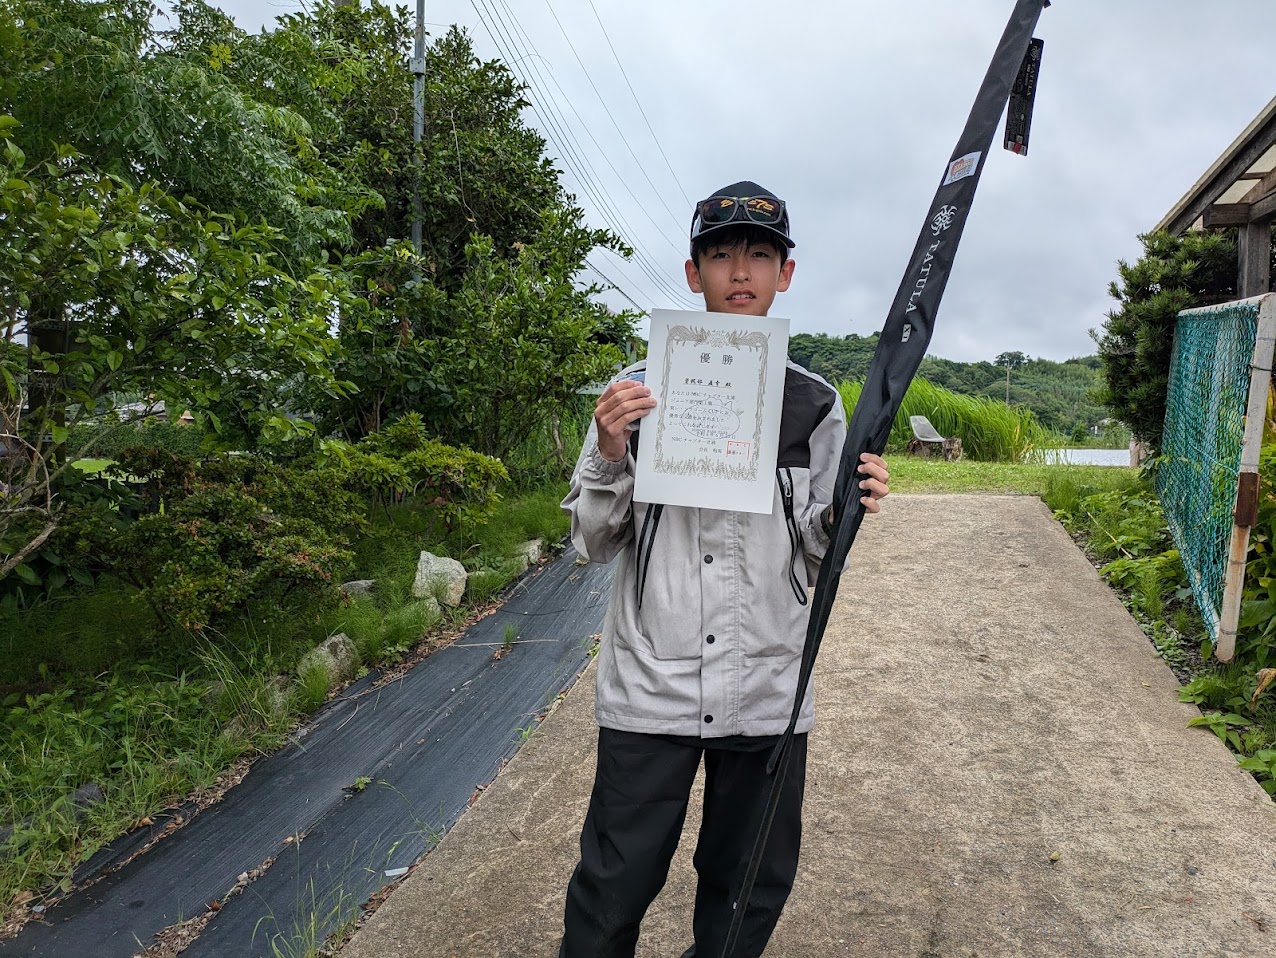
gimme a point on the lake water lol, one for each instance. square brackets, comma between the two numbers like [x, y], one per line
[1087, 457]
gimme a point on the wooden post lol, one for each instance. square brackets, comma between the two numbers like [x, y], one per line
[1255, 255]
[1245, 513]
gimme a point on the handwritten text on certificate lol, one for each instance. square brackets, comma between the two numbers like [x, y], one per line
[711, 441]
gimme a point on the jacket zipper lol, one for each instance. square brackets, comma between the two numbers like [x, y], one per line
[795, 537]
[645, 543]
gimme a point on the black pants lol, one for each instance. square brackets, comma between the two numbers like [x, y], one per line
[635, 819]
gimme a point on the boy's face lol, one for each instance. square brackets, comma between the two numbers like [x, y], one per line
[739, 279]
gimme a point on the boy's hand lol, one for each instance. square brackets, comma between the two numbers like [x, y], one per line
[623, 402]
[878, 475]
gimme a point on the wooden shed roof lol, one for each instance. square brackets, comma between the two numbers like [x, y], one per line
[1239, 188]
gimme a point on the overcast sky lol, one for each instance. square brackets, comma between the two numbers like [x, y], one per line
[849, 110]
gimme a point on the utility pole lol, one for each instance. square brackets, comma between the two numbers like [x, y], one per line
[417, 66]
[418, 122]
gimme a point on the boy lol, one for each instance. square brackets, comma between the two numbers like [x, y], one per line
[703, 636]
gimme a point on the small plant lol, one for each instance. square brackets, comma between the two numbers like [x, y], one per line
[1186, 621]
[1166, 641]
[360, 783]
[1216, 690]
[1263, 765]
[312, 687]
[403, 627]
[1225, 725]
[511, 633]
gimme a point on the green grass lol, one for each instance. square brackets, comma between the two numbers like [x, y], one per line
[94, 688]
[918, 475]
[92, 467]
[989, 429]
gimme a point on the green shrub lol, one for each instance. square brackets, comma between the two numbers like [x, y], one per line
[551, 446]
[402, 463]
[220, 534]
[361, 620]
[1124, 523]
[1256, 635]
[312, 687]
[107, 440]
[1174, 273]
[486, 582]
[406, 624]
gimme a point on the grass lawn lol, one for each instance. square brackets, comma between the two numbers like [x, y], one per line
[918, 475]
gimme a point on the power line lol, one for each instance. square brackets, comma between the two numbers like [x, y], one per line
[508, 46]
[578, 164]
[638, 103]
[614, 285]
[590, 133]
[608, 110]
[590, 178]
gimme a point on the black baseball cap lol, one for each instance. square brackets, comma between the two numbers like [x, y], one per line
[742, 204]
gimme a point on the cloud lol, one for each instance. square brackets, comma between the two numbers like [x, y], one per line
[850, 110]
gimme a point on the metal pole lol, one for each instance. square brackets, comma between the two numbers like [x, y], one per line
[418, 122]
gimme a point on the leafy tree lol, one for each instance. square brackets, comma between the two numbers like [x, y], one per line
[1010, 360]
[492, 206]
[345, 69]
[1174, 273]
[227, 201]
[523, 337]
[152, 105]
[1060, 394]
[150, 296]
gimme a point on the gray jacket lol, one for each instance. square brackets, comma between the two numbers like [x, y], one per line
[703, 634]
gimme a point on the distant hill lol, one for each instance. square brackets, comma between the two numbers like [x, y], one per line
[1062, 395]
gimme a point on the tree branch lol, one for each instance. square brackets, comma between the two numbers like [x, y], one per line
[20, 556]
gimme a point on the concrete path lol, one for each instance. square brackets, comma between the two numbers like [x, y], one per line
[1000, 767]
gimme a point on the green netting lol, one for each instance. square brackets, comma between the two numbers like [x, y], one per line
[1201, 449]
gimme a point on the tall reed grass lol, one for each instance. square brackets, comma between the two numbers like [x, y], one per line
[990, 430]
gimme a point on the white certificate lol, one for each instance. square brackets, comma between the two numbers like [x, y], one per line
[711, 442]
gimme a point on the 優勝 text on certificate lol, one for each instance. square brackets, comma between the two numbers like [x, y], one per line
[711, 442]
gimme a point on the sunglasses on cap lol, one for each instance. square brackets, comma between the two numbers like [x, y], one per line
[719, 210]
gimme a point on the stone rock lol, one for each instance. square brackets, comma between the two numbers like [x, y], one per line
[277, 694]
[441, 577]
[336, 654]
[359, 587]
[532, 550]
[214, 692]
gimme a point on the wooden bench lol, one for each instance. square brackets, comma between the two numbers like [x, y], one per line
[927, 441]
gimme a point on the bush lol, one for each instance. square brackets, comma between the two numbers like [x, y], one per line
[215, 536]
[107, 440]
[401, 463]
[1256, 635]
[1174, 273]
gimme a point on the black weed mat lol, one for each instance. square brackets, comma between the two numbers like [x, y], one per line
[424, 743]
